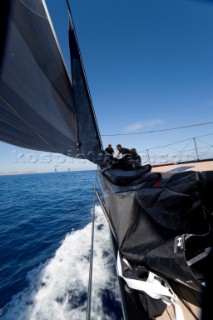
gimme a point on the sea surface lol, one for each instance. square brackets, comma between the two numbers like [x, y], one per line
[45, 246]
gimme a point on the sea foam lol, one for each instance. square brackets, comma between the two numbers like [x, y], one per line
[57, 289]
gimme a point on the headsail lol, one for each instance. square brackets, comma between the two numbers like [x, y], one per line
[38, 103]
[87, 128]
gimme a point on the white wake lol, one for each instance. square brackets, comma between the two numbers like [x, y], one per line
[57, 290]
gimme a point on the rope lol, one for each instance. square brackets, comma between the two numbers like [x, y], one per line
[89, 291]
[180, 295]
[156, 287]
[155, 131]
[105, 213]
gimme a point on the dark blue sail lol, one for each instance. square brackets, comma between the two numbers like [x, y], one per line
[38, 105]
[87, 126]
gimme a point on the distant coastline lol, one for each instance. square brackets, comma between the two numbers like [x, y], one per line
[196, 166]
[16, 173]
[41, 172]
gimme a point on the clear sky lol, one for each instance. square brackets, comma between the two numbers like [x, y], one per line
[149, 66]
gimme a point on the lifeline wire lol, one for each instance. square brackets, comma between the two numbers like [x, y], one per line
[89, 291]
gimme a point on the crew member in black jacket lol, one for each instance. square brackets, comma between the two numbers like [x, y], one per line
[109, 150]
[121, 150]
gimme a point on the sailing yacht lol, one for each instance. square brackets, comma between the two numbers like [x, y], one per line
[160, 223]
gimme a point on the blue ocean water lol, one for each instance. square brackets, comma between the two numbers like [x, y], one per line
[45, 232]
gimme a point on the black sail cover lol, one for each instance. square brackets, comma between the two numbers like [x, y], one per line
[162, 227]
[40, 107]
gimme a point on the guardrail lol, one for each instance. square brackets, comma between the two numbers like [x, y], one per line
[189, 150]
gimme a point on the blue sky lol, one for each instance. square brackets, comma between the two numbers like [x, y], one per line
[149, 65]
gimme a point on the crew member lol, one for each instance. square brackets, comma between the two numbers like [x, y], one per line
[135, 158]
[121, 151]
[109, 150]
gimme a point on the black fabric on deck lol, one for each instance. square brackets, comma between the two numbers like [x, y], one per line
[147, 222]
[37, 105]
[123, 177]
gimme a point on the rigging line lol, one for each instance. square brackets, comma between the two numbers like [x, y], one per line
[166, 145]
[89, 292]
[170, 145]
[204, 142]
[70, 14]
[204, 152]
[186, 145]
[154, 131]
[187, 305]
[157, 147]
[105, 214]
[168, 314]
[209, 134]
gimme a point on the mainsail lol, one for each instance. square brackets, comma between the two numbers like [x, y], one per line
[41, 108]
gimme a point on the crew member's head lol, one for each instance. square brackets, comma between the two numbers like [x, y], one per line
[118, 147]
[133, 151]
